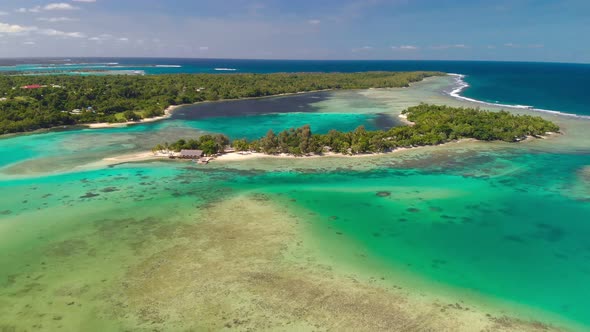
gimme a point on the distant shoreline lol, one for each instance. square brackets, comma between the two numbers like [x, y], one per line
[170, 109]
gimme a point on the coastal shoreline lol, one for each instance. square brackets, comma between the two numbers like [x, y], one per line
[170, 110]
[462, 85]
[249, 155]
[167, 113]
[235, 156]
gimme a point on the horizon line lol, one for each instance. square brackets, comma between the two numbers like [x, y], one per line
[283, 59]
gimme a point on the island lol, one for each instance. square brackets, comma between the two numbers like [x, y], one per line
[428, 125]
[34, 102]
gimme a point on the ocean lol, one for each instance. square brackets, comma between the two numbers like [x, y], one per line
[461, 237]
[548, 86]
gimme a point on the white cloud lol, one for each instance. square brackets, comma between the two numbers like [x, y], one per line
[59, 6]
[204, 48]
[405, 47]
[314, 22]
[23, 10]
[108, 37]
[20, 29]
[29, 43]
[57, 19]
[49, 7]
[15, 28]
[87, 1]
[3, 13]
[58, 33]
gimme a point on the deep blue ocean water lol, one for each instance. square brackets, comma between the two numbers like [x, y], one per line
[560, 87]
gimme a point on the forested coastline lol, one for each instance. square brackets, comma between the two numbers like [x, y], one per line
[432, 125]
[34, 102]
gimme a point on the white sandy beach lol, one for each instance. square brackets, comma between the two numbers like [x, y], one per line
[167, 113]
[241, 156]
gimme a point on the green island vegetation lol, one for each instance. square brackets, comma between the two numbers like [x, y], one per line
[34, 102]
[432, 125]
[209, 144]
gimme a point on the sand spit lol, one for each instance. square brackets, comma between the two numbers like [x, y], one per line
[237, 271]
[241, 156]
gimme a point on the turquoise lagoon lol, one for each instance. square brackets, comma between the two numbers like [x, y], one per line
[496, 225]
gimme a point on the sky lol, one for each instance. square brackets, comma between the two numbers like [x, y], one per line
[506, 30]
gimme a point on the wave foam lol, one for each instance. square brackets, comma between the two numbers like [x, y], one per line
[225, 69]
[168, 66]
[462, 85]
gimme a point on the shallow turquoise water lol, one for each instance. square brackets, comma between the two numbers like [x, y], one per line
[520, 237]
[250, 126]
[99, 143]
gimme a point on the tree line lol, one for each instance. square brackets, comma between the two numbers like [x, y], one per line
[209, 144]
[117, 98]
[432, 125]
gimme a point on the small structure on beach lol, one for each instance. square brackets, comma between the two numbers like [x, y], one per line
[190, 154]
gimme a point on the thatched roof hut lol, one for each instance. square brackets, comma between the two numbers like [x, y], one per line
[191, 154]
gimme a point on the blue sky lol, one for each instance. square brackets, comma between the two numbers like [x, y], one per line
[522, 30]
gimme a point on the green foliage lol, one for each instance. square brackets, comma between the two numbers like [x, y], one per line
[210, 144]
[445, 123]
[433, 125]
[241, 144]
[131, 116]
[52, 105]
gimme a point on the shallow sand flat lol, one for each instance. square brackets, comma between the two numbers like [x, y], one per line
[242, 261]
[237, 271]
